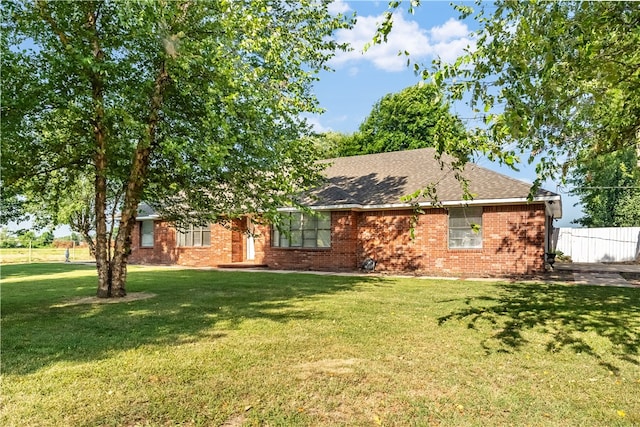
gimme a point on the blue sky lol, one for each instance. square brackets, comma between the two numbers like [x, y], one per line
[360, 79]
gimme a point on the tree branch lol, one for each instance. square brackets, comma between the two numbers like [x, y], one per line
[45, 14]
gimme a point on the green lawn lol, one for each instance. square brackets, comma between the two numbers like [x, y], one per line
[245, 348]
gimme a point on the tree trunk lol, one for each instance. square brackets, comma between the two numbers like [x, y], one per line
[90, 244]
[134, 188]
[122, 248]
[103, 264]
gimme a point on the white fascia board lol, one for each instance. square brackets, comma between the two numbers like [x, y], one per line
[512, 201]
[345, 207]
[557, 209]
[147, 218]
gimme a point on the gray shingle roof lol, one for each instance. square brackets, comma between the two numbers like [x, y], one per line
[382, 179]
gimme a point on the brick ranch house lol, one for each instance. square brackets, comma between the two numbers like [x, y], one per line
[360, 215]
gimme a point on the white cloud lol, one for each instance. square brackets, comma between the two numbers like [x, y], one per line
[451, 50]
[314, 122]
[407, 35]
[338, 6]
[452, 29]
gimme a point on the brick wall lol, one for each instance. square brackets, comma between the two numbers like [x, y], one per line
[513, 244]
[226, 246]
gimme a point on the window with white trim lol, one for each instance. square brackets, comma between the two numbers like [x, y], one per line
[465, 228]
[194, 236]
[303, 230]
[146, 234]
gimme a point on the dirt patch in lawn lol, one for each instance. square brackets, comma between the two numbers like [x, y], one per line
[133, 296]
[330, 367]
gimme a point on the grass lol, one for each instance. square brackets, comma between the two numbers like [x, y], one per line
[246, 348]
[37, 255]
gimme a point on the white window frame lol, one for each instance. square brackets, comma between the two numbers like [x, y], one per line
[146, 233]
[194, 236]
[463, 228]
[302, 230]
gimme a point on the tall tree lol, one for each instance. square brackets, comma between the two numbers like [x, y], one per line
[336, 144]
[415, 117]
[192, 105]
[554, 81]
[609, 188]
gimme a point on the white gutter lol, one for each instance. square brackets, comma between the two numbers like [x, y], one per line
[553, 205]
[344, 207]
[550, 203]
[148, 217]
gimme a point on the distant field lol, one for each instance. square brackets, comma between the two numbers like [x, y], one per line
[24, 255]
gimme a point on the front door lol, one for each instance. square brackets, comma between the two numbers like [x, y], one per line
[251, 248]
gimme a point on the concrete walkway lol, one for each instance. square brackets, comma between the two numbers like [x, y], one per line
[599, 274]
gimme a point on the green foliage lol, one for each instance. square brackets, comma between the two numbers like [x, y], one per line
[627, 212]
[194, 106]
[609, 189]
[336, 144]
[45, 239]
[555, 81]
[7, 239]
[25, 239]
[563, 76]
[413, 118]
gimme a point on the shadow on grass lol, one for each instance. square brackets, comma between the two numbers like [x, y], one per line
[190, 305]
[581, 319]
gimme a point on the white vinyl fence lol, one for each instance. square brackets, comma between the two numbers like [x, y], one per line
[609, 244]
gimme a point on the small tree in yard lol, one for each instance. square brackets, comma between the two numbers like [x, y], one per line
[194, 105]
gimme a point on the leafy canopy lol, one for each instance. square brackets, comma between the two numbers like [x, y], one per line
[194, 106]
[237, 77]
[415, 117]
[554, 81]
[609, 189]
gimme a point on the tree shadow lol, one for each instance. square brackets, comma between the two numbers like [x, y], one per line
[519, 240]
[359, 190]
[385, 237]
[190, 305]
[567, 314]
